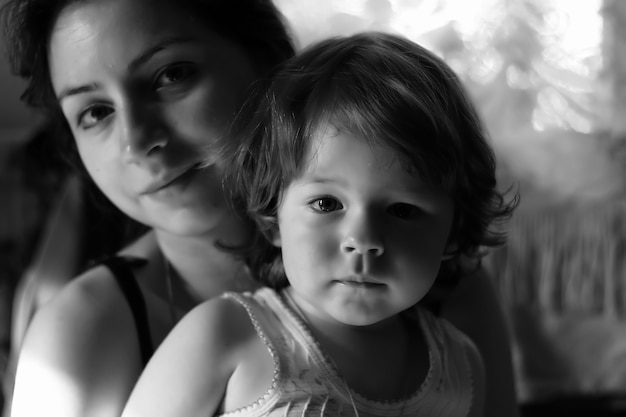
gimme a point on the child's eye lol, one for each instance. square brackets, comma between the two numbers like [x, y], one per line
[326, 204]
[93, 115]
[404, 211]
[174, 74]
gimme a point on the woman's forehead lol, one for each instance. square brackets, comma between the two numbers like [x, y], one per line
[99, 37]
[139, 14]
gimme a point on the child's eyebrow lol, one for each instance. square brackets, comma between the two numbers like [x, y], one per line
[320, 179]
[416, 188]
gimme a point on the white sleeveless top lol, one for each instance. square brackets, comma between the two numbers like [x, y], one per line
[306, 383]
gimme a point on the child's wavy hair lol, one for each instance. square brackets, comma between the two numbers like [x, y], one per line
[383, 88]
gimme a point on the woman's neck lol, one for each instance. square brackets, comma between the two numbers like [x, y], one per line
[203, 269]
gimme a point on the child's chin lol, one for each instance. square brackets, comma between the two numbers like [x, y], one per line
[362, 318]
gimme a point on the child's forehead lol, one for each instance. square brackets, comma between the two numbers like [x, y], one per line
[347, 161]
[324, 129]
[329, 143]
[329, 131]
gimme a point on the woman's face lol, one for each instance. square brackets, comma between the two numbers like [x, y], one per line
[146, 89]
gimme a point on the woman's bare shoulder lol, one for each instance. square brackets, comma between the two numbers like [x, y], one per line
[80, 315]
[90, 313]
[94, 297]
[80, 352]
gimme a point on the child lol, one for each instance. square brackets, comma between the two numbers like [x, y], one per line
[366, 168]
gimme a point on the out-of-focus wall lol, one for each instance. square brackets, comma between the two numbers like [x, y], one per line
[12, 112]
[543, 75]
[16, 121]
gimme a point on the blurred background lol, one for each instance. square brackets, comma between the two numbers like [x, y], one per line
[549, 80]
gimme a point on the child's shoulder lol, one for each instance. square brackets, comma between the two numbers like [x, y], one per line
[230, 320]
[445, 336]
[226, 316]
[438, 326]
[459, 349]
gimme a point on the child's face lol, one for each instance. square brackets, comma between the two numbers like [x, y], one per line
[361, 238]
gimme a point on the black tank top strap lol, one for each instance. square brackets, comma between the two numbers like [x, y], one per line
[122, 269]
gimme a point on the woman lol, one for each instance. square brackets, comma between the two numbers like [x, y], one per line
[144, 88]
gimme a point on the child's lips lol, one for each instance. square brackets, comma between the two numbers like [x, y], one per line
[360, 282]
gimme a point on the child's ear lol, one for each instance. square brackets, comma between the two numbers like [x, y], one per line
[274, 237]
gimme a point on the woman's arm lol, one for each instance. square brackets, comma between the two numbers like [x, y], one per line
[473, 307]
[80, 356]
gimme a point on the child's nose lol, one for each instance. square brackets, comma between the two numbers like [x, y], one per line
[363, 236]
[363, 248]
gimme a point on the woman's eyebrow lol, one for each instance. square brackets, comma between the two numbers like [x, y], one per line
[150, 52]
[72, 91]
[137, 62]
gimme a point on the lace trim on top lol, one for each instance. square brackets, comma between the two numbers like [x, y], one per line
[326, 364]
[265, 305]
[265, 402]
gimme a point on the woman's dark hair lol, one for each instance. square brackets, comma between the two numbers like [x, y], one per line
[383, 88]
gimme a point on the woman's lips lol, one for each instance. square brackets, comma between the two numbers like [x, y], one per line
[171, 180]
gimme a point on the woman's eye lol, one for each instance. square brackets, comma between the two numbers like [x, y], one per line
[93, 115]
[404, 211]
[174, 74]
[326, 204]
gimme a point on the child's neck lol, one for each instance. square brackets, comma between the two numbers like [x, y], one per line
[395, 352]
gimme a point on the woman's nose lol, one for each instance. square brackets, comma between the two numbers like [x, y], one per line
[363, 236]
[143, 134]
